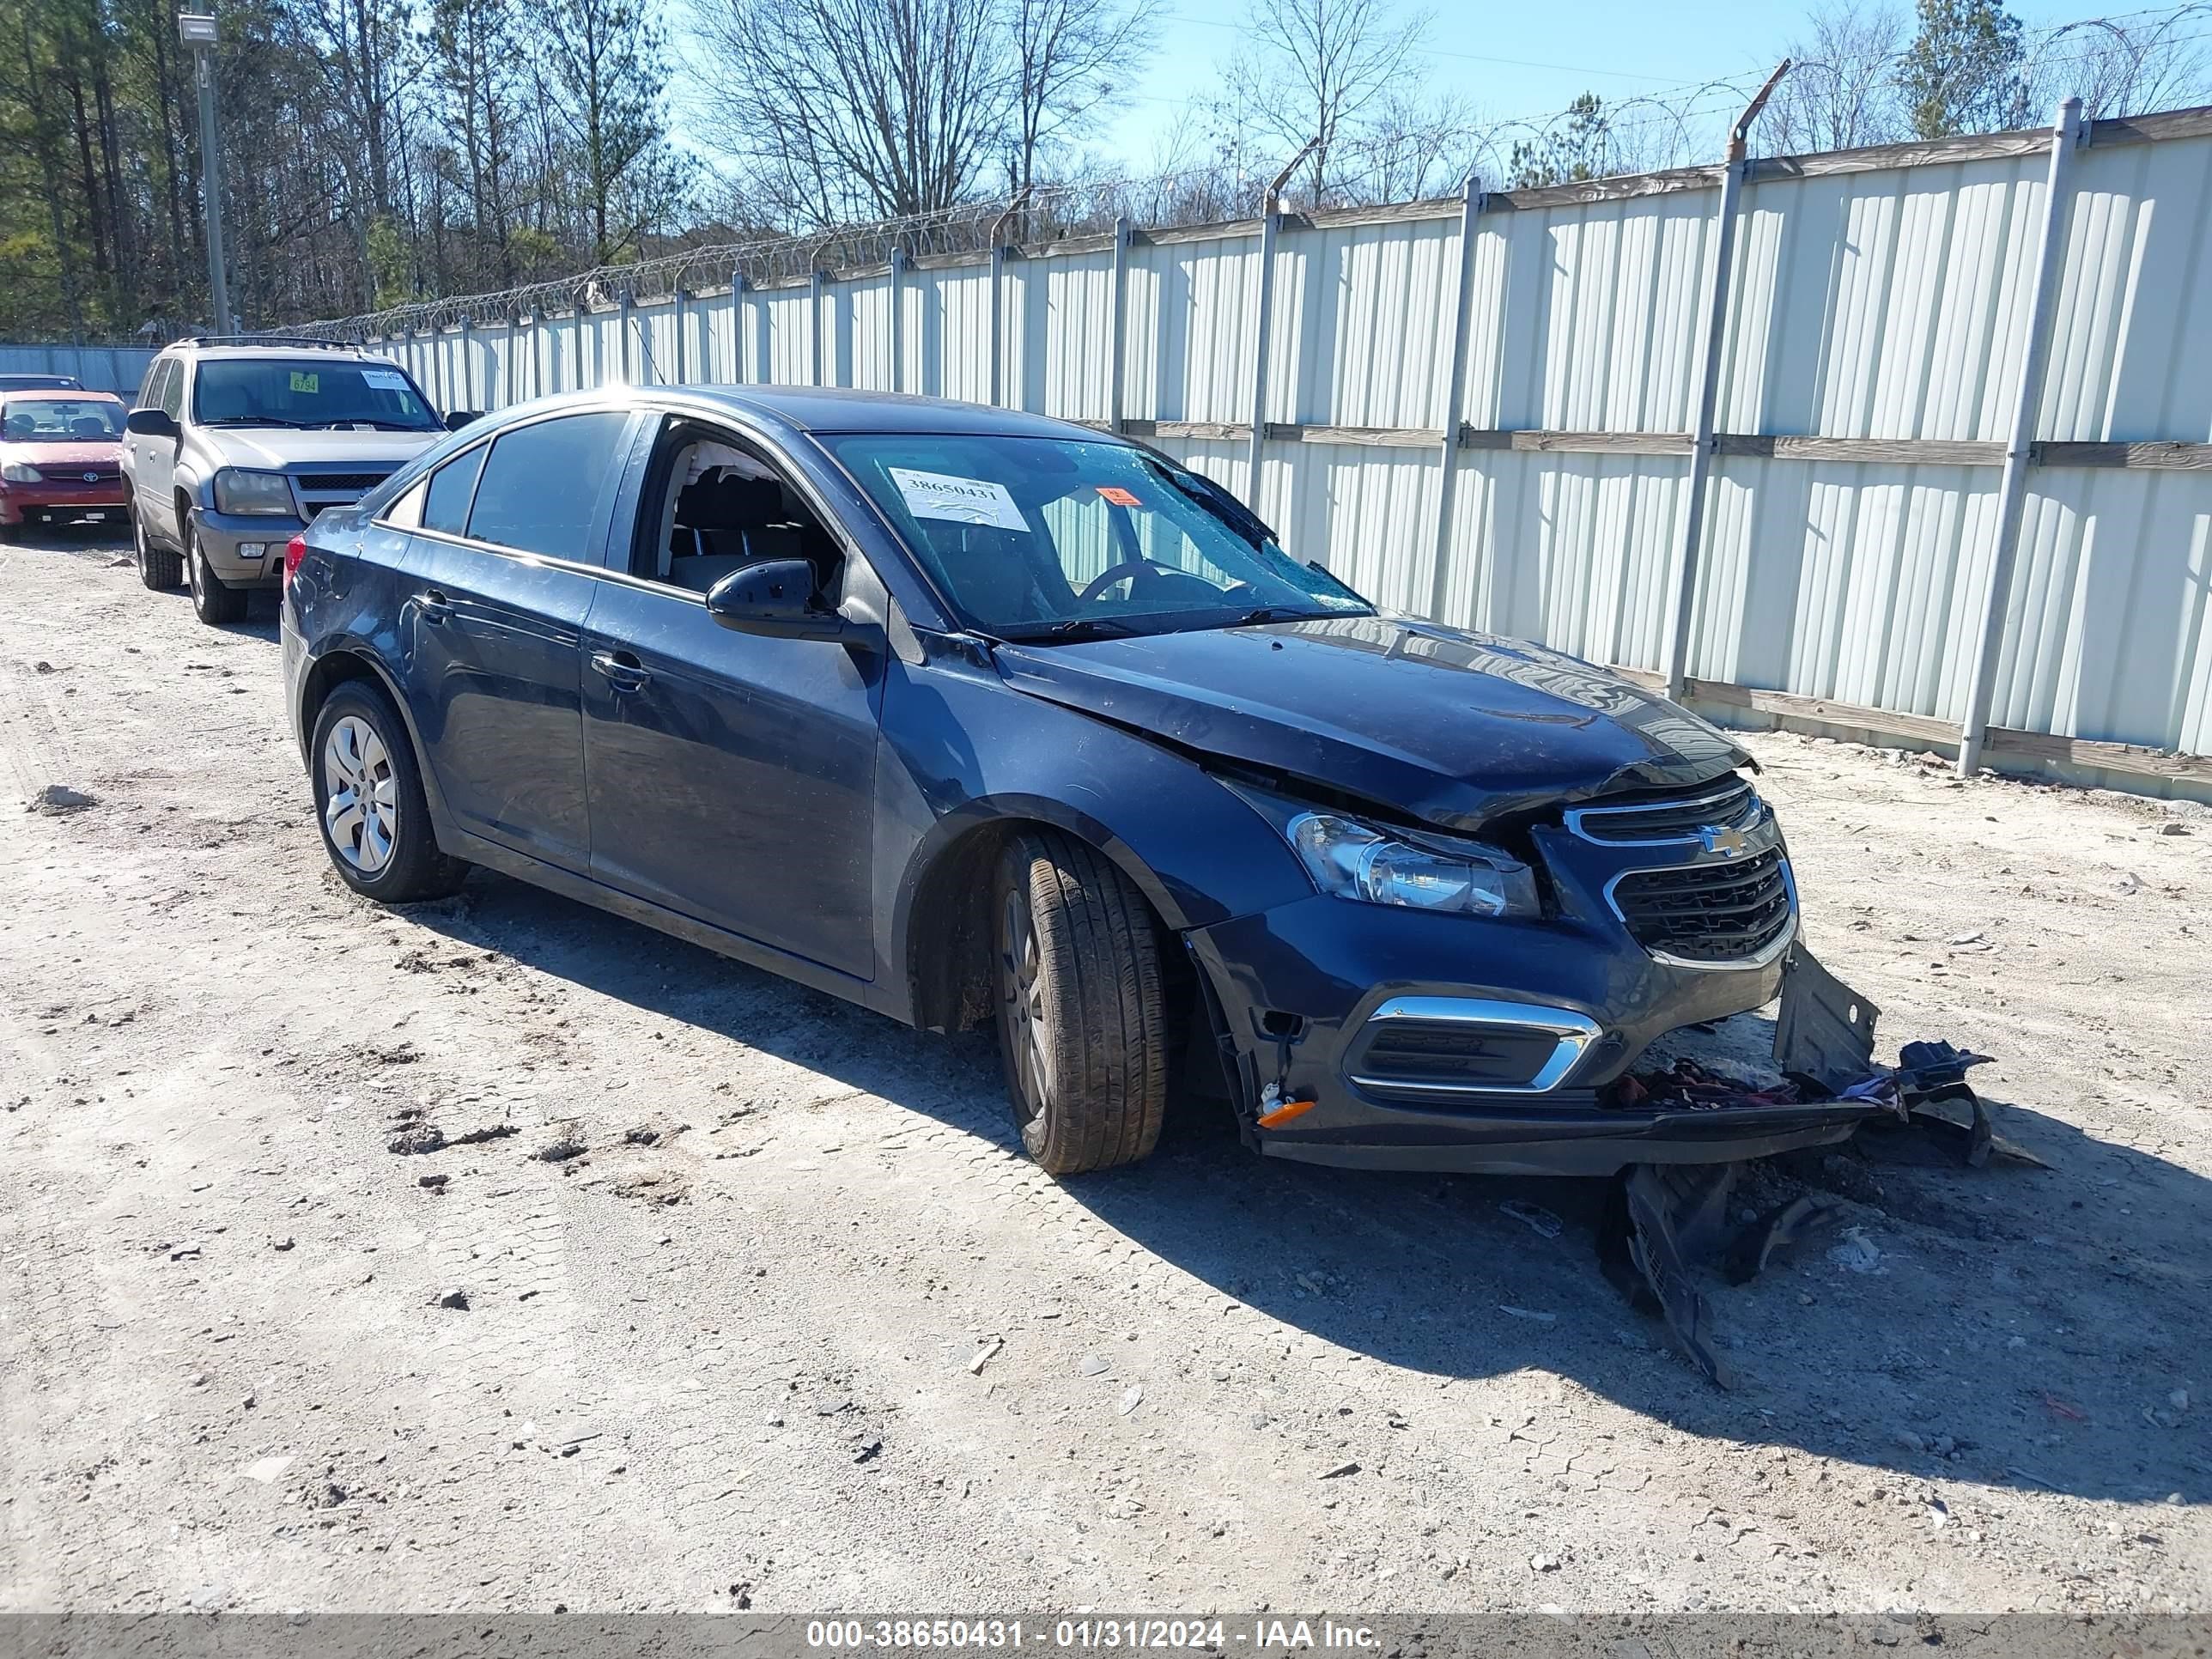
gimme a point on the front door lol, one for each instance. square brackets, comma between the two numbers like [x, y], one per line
[497, 584]
[732, 776]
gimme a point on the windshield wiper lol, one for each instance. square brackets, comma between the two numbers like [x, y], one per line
[371, 421]
[1274, 613]
[257, 420]
[1074, 628]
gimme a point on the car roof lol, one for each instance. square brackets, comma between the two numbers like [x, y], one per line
[840, 409]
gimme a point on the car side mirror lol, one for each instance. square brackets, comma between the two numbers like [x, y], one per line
[456, 419]
[775, 599]
[150, 423]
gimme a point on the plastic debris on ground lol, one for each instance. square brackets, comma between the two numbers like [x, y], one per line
[1663, 1220]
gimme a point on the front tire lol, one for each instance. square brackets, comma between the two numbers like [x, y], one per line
[369, 802]
[215, 603]
[1082, 1024]
[159, 568]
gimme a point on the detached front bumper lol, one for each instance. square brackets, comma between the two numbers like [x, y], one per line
[1449, 1043]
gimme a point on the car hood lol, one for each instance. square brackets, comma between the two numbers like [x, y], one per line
[63, 458]
[1443, 725]
[275, 447]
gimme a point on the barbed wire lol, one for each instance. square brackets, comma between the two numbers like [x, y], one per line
[1223, 189]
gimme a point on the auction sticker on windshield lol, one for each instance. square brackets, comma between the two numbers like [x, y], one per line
[964, 500]
[385, 379]
[308, 383]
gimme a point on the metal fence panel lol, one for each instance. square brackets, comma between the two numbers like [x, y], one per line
[1067, 334]
[117, 368]
[1606, 301]
[1856, 583]
[1886, 304]
[1880, 303]
[1363, 326]
[2111, 632]
[786, 336]
[2131, 349]
[1190, 306]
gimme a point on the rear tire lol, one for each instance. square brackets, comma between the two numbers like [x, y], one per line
[369, 804]
[159, 568]
[1082, 1023]
[216, 604]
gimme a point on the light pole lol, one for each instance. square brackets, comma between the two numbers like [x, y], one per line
[196, 30]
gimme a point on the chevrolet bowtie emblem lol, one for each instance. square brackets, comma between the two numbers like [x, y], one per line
[1728, 843]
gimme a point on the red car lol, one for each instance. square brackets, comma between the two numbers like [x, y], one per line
[61, 459]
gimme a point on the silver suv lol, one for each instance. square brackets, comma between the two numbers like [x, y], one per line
[236, 443]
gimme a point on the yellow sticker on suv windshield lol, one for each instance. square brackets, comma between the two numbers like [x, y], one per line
[310, 384]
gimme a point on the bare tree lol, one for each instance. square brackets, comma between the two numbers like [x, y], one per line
[1066, 58]
[1841, 90]
[840, 110]
[1315, 68]
[1408, 148]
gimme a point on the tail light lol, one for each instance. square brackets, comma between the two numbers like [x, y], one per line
[295, 551]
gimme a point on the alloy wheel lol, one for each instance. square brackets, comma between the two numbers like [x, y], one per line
[361, 807]
[1021, 983]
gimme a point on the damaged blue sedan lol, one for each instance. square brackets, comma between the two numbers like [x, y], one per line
[971, 716]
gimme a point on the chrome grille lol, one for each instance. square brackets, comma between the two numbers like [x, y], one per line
[1709, 914]
[318, 492]
[1730, 805]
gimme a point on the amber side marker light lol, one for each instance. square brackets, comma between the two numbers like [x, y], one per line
[1284, 1113]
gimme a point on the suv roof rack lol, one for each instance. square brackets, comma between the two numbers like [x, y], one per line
[310, 340]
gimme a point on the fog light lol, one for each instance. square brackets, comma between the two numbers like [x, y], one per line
[253, 550]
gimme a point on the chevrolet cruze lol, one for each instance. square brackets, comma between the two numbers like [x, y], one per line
[971, 716]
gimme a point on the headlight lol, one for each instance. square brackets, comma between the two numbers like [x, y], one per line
[237, 490]
[21, 472]
[1352, 858]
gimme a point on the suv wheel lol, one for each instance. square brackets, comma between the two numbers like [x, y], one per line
[215, 603]
[1081, 1023]
[368, 800]
[158, 568]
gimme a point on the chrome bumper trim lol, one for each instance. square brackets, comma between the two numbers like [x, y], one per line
[1572, 1034]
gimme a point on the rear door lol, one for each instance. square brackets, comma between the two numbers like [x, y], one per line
[731, 777]
[497, 580]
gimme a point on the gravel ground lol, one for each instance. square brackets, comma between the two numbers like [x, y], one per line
[799, 1330]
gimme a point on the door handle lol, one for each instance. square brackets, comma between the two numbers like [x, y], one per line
[621, 670]
[436, 607]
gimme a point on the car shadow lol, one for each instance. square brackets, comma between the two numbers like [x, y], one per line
[110, 544]
[100, 542]
[2016, 1326]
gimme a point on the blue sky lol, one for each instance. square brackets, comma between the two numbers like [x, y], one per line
[1510, 57]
